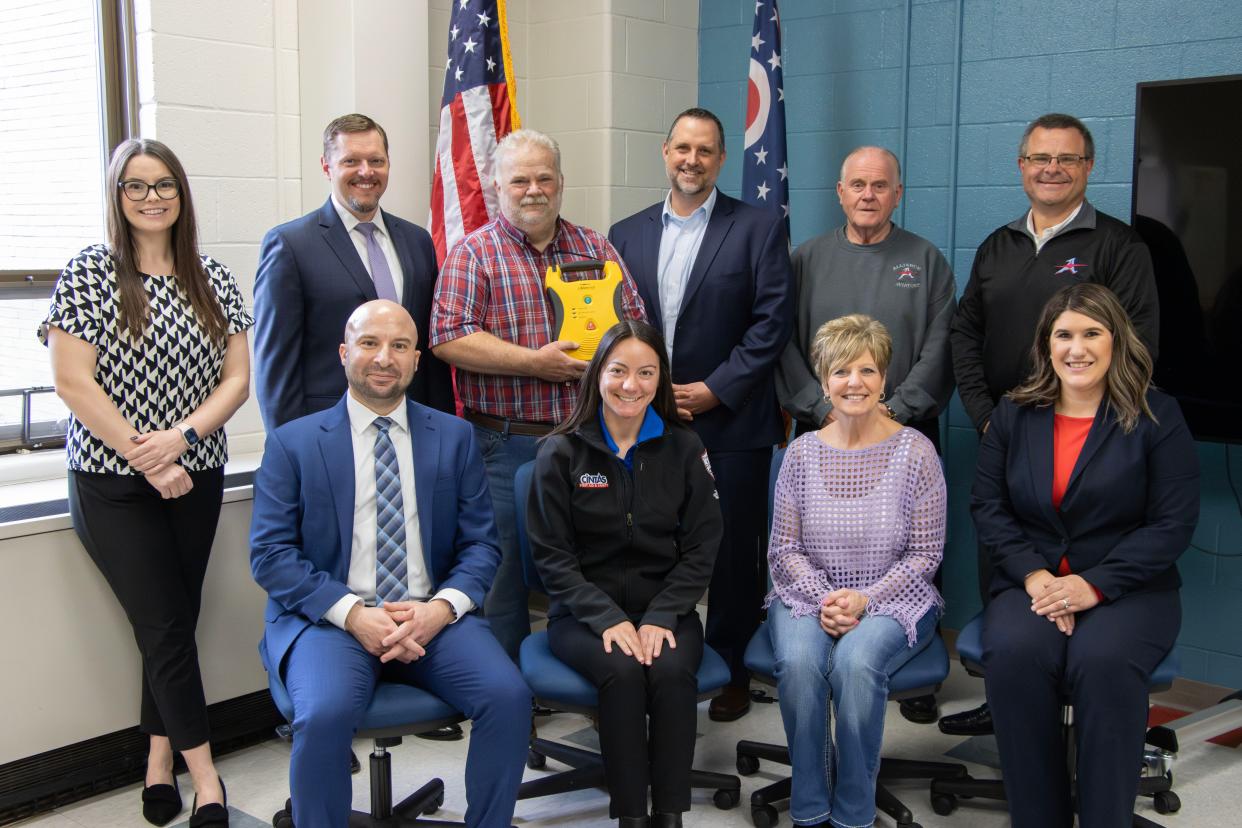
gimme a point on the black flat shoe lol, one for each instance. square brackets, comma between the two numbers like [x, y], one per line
[977, 722]
[161, 803]
[920, 710]
[211, 814]
[663, 819]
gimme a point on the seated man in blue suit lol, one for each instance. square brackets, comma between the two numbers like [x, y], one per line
[374, 538]
[314, 270]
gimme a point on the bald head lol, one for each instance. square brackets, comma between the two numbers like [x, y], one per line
[380, 354]
[877, 155]
[869, 190]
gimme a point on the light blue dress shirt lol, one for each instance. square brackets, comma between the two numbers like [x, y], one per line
[679, 247]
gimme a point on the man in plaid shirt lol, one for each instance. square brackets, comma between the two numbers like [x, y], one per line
[492, 320]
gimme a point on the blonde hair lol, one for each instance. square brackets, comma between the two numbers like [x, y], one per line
[843, 340]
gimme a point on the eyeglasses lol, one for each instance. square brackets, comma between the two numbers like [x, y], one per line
[1043, 159]
[135, 190]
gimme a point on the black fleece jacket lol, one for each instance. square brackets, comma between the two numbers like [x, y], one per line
[612, 545]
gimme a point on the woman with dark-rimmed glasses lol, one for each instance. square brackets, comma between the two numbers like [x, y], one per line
[148, 347]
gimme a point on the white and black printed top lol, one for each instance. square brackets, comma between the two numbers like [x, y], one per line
[157, 382]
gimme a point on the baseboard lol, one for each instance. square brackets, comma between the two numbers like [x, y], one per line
[68, 774]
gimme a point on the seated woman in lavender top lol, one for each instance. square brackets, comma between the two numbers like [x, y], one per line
[857, 534]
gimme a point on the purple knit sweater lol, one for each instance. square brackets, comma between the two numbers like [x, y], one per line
[870, 519]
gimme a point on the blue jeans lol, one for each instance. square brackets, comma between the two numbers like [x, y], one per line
[505, 606]
[837, 782]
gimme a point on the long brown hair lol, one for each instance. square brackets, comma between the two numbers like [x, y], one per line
[187, 265]
[589, 397]
[1129, 372]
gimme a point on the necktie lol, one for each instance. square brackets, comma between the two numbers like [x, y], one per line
[390, 580]
[385, 287]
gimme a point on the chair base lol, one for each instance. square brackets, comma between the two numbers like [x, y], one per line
[408, 812]
[763, 802]
[587, 771]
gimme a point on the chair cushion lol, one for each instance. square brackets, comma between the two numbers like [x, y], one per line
[553, 680]
[393, 705]
[925, 670]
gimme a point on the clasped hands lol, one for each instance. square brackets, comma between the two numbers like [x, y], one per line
[1058, 599]
[693, 398]
[841, 610]
[155, 454]
[398, 630]
[644, 643]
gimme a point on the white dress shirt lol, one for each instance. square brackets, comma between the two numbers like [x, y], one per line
[1049, 232]
[679, 247]
[362, 552]
[359, 239]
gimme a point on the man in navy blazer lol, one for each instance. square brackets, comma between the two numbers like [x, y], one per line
[339, 494]
[715, 277]
[314, 270]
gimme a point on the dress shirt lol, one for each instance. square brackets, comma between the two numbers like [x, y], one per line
[1049, 232]
[359, 239]
[679, 247]
[362, 549]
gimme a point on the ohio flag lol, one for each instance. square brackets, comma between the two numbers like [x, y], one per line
[765, 172]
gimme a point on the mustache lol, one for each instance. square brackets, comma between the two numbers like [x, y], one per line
[530, 201]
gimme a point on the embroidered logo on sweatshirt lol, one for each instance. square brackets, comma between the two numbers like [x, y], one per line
[1071, 266]
[909, 275]
[593, 481]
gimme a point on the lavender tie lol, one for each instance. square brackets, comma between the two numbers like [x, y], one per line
[385, 288]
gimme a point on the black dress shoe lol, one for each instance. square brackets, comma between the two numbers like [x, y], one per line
[920, 709]
[448, 733]
[633, 822]
[732, 704]
[977, 722]
[161, 803]
[211, 814]
[663, 819]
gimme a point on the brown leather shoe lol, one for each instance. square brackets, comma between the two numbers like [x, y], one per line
[733, 703]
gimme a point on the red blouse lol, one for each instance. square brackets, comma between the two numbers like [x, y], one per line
[1068, 436]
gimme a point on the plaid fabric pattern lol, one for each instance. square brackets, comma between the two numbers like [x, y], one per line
[390, 567]
[492, 281]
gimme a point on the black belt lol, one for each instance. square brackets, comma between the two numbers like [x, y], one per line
[507, 426]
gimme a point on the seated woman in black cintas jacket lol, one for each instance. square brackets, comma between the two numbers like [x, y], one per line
[624, 525]
[1087, 491]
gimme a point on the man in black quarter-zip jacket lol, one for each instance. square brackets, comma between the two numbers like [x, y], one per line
[1060, 240]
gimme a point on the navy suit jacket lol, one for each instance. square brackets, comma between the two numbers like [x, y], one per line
[1127, 515]
[302, 527]
[736, 315]
[310, 280]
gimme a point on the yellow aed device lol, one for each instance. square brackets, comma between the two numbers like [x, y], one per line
[585, 308]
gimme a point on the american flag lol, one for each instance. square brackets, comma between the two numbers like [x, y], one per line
[765, 172]
[478, 108]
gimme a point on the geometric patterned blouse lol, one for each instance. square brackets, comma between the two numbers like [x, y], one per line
[157, 382]
[869, 519]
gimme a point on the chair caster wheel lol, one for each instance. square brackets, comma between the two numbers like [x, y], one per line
[764, 817]
[282, 819]
[536, 761]
[724, 798]
[1167, 802]
[944, 804]
[746, 765]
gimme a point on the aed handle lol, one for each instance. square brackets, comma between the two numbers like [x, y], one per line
[581, 267]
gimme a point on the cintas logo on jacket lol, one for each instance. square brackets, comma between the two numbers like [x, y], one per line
[593, 481]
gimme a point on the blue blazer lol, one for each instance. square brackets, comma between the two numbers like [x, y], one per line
[302, 527]
[1127, 515]
[310, 279]
[736, 315]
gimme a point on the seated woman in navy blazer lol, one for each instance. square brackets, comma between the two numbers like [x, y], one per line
[1087, 491]
[624, 527]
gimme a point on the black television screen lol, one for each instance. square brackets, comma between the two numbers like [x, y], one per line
[1187, 205]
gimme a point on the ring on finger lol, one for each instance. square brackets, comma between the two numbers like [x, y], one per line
[1065, 603]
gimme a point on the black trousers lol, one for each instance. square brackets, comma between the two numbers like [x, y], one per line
[739, 580]
[637, 756]
[1103, 670]
[153, 554]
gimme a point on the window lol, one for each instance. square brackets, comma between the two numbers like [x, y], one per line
[66, 98]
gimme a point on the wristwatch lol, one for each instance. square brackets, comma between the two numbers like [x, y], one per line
[188, 434]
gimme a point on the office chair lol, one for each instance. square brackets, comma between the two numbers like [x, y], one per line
[920, 676]
[396, 710]
[1156, 778]
[557, 685]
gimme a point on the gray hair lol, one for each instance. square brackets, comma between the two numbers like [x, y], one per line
[857, 150]
[521, 139]
[1058, 120]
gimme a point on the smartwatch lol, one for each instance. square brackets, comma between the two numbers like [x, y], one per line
[188, 434]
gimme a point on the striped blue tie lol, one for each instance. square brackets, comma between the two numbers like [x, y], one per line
[390, 520]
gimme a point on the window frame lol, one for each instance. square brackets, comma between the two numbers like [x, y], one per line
[118, 90]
